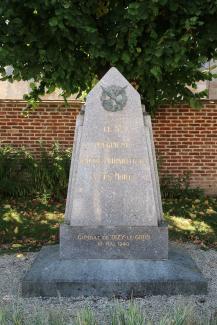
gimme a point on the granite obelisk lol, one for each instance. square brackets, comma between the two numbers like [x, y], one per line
[113, 205]
[113, 241]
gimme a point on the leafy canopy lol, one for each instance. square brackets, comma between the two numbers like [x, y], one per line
[158, 45]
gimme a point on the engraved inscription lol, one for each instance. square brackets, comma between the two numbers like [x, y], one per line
[112, 161]
[113, 244]
[112, 145]
[115, 237]
[113, 129]
[114, 240]
[113, 177]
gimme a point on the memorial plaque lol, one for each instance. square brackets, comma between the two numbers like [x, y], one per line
[113, 187]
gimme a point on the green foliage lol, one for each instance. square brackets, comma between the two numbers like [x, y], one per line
[22, 175]
[159, 45]
[192, 219]
[16, 314]
[30, 215]
[29, 224]
[52, 172]
[86, 317]
[16, 169]
[127, 316]
[190, 214]
[175, 187]
[179, 316]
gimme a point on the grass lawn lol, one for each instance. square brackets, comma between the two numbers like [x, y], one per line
[192, 220]
[29, 224]
[119, 314]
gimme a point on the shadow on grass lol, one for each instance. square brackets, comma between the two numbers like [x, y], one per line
[193, 220]
[26, 225]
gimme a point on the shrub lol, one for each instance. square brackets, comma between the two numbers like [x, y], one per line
[16, 169]
[22, 175]
[175, 187]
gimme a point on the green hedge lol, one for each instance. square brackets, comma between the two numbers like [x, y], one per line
[22, 175]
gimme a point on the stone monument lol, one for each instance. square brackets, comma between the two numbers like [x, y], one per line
[114, 241]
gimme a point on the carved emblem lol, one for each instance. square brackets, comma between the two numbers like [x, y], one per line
[113, 98]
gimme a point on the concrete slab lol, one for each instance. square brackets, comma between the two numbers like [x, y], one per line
[51, 276]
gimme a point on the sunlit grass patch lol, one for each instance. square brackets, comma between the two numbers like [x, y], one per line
[189, 225]
[29, 224]
[194, 220]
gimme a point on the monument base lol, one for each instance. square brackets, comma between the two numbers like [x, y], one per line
[51, 276]
[117, 242]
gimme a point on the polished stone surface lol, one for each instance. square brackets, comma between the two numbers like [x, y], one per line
[74, 165]
[153, 163]
[114, 242]
[51, 276]
[114, 183]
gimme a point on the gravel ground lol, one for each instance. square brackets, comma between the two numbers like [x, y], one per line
[12, 268]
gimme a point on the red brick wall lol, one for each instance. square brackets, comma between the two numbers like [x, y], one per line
[185, 139]
[51, 122]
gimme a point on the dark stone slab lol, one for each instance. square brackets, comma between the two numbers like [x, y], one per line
[51, 276]
[114, 242]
